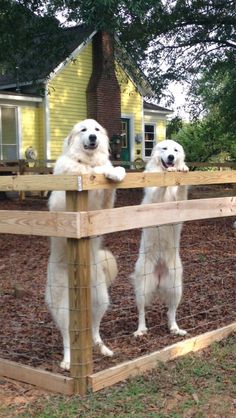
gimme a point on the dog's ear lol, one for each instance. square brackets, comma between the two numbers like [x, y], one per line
[69, 139]
[103, 130]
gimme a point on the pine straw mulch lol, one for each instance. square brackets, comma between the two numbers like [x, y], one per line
[28, 335]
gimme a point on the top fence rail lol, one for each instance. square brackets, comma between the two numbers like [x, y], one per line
[132, 180]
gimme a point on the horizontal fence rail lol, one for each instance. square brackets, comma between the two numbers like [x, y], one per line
[132, 180]
[76, 223]
[86, 224]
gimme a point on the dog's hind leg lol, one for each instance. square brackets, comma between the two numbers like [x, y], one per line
[142, 328]
[100, 303]
[58, 303]
[57, 296]
[171, 290]
[145, 287]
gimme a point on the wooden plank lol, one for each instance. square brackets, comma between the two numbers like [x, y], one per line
[130, 217]
[132, 180]
[10, 169]
[208, 164]
[45, 182]
[99, 222]
[80, 307]
[38, 377]
[57, 224]
[142, 364]
[38, 170]
[138, 180]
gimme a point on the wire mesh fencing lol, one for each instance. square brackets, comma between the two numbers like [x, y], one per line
[30, 334]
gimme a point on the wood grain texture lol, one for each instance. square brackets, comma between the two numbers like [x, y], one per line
[38, 377]
[86, 224]
[132, 180]
[142, 364]
[140, 216]
[80, 310]
[139, 180]
[56, 224]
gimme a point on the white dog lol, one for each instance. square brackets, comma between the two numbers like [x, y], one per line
[86, 150]
[158, 269]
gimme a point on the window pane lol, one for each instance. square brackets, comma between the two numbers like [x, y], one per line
[124, 134]
[148, 145]
[149, 128]
[9, 152]
[148, 152]
[149, 137]
[8, 125]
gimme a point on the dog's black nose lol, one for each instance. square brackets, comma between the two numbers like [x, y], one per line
[92, 138]
[171, 157]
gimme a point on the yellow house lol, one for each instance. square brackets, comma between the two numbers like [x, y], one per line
[93, 81]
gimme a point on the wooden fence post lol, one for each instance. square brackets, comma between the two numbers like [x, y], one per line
[22, 165]
[79, 300]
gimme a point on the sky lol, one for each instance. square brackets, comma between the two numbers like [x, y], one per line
[179, 92]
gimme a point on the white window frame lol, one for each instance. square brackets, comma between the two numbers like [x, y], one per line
[154, 138]
[17, 128]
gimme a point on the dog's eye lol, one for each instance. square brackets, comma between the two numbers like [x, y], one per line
[84, 130]
[176, 150]
[164, 149]
[96, 129]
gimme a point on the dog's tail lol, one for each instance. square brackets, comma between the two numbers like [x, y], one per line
[109, 265]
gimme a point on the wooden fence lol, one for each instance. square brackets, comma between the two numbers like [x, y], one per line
[78, 224]
[24, 166]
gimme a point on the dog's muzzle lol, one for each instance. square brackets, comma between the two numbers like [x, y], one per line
[169, 162]
[92, 142]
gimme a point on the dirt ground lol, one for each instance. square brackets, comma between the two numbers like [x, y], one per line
[28, 335]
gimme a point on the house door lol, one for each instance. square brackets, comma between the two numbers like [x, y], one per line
[8, 133]
[125, 139]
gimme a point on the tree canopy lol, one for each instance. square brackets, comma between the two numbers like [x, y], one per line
[169, 39]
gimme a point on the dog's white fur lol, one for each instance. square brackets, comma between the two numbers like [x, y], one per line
[158, 269]
[86, 150]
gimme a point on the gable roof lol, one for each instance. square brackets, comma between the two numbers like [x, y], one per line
[34, 64]
[156, 108]
[66, 41]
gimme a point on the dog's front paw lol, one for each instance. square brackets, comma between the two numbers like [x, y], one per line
[104, 350]
[65, 365]
[140, 332]
[115, 173]
[171, 169]
[184, 168]
[178, 331]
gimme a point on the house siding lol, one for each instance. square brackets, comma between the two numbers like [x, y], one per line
[67, 98]
[32, 134]
[131, 104]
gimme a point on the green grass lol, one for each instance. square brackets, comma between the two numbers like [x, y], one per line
[199, 385]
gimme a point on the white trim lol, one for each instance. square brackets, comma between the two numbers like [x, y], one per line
[47, 145]
[131, 133]
[143, 133]
[64, 63]
[146, 158]
[16, 108]
[19, 130]
[25, 83]
[21, 98]
[162, 112]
